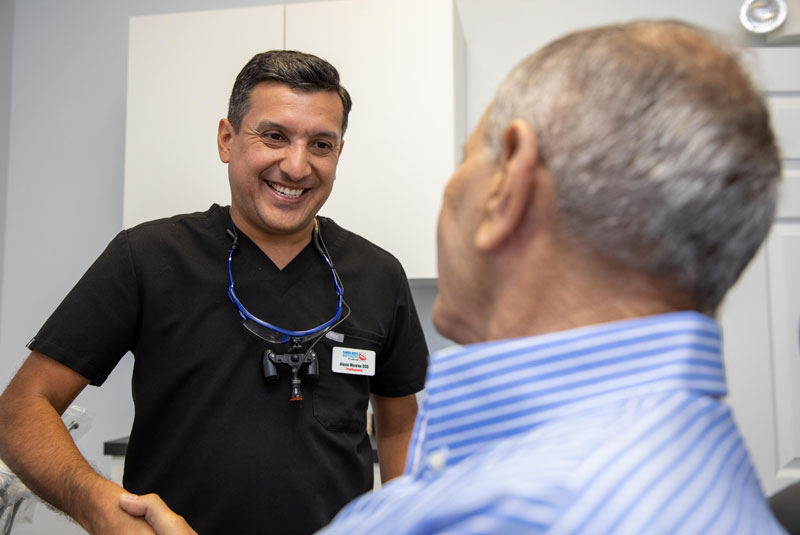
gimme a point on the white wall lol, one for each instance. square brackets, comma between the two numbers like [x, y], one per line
[6, 41]
[66, 141]
[500, 33]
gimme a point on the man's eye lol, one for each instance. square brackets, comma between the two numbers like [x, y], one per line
[273, 136]
[321, 146]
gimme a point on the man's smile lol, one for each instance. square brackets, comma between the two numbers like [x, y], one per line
[291, 193]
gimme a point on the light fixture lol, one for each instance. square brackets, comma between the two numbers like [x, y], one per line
[762, 16]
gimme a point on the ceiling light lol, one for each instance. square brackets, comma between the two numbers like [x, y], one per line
[762, 16]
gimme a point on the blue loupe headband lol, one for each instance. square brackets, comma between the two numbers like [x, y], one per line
[272, 333]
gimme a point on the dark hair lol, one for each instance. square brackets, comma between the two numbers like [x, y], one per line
[298, 70]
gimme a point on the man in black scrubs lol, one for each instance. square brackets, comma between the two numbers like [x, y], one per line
[260, 332]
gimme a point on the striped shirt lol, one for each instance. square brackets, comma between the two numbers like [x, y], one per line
[614, 428]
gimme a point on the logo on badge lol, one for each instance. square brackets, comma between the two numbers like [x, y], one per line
[352, 360]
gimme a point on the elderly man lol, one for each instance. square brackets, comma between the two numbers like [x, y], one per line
[241, 327]
[613, 192]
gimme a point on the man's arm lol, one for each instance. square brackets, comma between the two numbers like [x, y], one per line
[394, 422]
[36, 445]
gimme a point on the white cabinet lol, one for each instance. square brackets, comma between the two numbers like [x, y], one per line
[761, 316]
[181, 68]
[402, 62]
[784, 275]
[403, 65]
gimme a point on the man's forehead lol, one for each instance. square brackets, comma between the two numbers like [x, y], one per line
[280, 87]
[314, 103]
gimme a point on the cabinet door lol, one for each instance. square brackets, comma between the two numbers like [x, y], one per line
[402, 63]
[761, 316]
[181, 68]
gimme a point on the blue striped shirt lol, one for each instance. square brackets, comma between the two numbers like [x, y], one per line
[614, 428]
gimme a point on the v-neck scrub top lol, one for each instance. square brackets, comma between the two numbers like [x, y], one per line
[222, 447]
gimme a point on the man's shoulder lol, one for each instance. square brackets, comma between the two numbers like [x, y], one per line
[352, 245]
[177, 228]
[187, 220]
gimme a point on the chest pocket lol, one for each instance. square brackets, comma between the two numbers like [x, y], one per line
[340, 399]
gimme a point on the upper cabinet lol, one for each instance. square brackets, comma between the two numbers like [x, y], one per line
[181, 69]
[402, 63]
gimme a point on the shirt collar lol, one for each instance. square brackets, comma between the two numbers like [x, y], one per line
[472, 391]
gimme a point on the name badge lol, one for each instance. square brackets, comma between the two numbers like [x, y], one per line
[353, 361]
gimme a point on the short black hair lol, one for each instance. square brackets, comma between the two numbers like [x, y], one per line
[298, 70]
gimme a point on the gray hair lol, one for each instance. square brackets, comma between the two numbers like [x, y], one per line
[659, 146]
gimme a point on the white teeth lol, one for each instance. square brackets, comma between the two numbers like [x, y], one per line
[288, 192]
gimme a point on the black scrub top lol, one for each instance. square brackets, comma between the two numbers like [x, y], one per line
[224, 448]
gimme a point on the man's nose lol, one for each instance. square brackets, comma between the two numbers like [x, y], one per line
[295, 163]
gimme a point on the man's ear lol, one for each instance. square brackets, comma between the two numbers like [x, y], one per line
[224, 137]
[512, 187]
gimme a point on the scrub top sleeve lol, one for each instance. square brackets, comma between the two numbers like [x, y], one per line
[403, 363]
[96, 323]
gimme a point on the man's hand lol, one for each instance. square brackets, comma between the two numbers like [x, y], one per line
[160, 517]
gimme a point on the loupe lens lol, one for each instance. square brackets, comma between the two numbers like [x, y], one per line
[265, 334]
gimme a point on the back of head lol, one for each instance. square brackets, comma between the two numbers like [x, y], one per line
[298, 70]
[660, 150]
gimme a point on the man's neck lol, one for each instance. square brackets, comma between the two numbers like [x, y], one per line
[280, 248]
[561, 316]
[565, 297]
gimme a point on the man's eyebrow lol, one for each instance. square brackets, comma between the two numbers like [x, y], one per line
[270, 125]
[334, 136]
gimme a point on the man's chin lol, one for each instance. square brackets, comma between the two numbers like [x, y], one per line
[447, 323]
[290, 223]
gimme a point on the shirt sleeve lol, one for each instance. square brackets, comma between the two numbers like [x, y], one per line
[96, 323]
[404, 362]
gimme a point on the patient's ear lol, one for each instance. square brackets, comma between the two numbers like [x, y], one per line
[512, 188]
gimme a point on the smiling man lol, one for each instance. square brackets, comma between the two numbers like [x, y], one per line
[281, 157]
[240, 320]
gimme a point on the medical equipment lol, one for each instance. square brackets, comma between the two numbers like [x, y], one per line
[300, 361]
